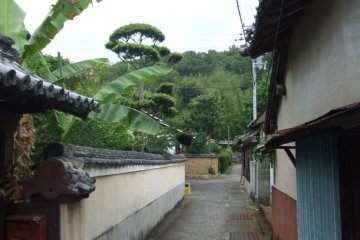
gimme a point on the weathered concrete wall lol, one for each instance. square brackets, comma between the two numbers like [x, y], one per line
[322, 72]
[260, 183]
[253, 179]
[263, 184]
[198, 166]
[133, 202]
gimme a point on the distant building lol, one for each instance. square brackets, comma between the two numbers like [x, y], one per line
[225, 143]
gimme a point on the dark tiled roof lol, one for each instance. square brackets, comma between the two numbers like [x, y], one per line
[247, 136]
[69, 180]
[87, 156]
[24, 92]
[274, 21]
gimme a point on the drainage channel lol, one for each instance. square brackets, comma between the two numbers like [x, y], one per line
[243, 236]
[240, 218]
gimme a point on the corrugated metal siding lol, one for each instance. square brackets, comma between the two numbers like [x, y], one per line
[318, 204]
[283, 216]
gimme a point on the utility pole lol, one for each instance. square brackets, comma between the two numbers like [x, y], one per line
[256, 63]
[254, 88]
[228, 143]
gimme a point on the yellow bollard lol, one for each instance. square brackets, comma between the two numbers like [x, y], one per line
[187, 190]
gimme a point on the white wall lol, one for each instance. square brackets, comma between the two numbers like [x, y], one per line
[323, 70]
[116, 197]
[285, 174]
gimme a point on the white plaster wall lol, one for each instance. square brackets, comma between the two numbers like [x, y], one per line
[115, 198]
[285, 177]
[253, 178]
[323, 70]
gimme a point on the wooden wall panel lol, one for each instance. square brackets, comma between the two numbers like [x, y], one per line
[283, 216]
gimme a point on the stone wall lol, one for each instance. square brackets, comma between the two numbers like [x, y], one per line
[197, 166]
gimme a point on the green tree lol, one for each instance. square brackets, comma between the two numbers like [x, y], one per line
[128, 42]
[138, 45]
[205, 111]
[199, 144]
[31, 50]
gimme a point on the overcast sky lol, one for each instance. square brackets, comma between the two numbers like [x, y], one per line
[198, 25]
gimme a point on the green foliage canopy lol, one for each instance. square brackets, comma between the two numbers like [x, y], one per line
[205, 111]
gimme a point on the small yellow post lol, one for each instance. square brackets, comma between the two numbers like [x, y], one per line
[187, 190]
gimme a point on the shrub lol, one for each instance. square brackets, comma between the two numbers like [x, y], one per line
[225, 158]
[211, 170]
[100, 134]
[214, 148]
[199, 144]
[90, 133]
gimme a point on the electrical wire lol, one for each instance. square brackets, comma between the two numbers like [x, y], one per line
[241, 20]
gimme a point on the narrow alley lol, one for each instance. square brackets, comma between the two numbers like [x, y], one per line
[217, 209]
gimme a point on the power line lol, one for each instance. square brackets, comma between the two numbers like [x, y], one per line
[241, 20]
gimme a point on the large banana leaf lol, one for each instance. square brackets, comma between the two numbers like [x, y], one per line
[128, 117]
[77, 68]
[12, 22]
[62, 11]
[124, 84]
[66, 122]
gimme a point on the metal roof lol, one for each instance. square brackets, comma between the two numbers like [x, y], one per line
[247, 136]
[25, 92]
[339, 119]
[274, 21]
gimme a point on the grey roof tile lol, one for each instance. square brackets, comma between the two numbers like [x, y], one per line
[25, 92]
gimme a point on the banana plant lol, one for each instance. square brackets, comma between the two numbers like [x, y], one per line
[77, 68]
[12, 25]
[12, 22]
[126, 116]
[62, 11]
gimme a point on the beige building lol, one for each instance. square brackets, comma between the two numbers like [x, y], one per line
[313, 108]
[201, 166]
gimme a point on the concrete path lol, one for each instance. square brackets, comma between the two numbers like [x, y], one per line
[217, 209]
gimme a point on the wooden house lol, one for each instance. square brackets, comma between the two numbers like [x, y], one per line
[24, 92]
[313, 109]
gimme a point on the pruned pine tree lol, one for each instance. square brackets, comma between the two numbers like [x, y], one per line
[138, 45]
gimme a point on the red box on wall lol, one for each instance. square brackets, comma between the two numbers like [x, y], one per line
[26, 227]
